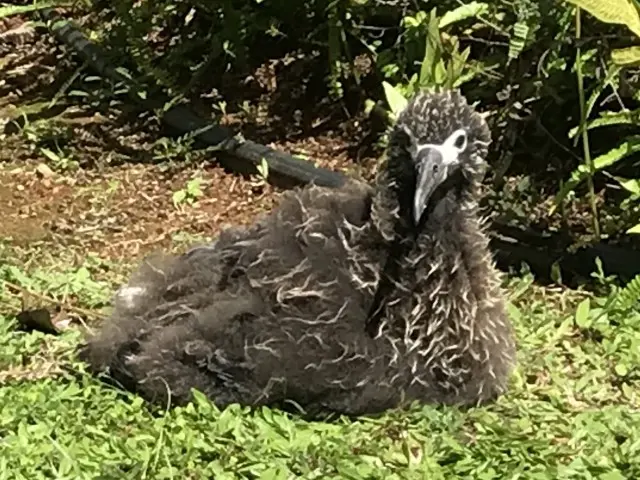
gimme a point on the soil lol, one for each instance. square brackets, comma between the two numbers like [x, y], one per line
[77, 175]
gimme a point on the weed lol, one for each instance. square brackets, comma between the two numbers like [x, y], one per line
[189, 194]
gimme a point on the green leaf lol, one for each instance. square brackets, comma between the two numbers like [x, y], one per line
[613, 475]
[395, 99]
[414, 22]
[179, 196]
[463, 12]
[621, 369]
[632, 186]
[606, 119]
[17, 10]
[201, 400]
[456, 67]
[629, 147]
[613, 72]
[193, 187]
[432, 65]
[263, 168]
[635, 229]
[273, 473]
[629, 295]
[612, 11]
[582, 313]
[49, 154]
[18, 275]
[518, 40]
[627, 57]
[514, 312]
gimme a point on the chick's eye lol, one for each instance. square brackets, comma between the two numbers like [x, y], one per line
[435, 169]
[460, 143]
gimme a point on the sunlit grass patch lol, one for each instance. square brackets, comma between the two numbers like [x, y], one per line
[572, 412]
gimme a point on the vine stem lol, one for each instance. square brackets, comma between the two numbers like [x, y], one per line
[583, 127]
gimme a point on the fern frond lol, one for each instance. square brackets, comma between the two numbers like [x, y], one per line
[630, 294]
[518, 40]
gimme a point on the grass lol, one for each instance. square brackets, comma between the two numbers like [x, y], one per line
[572, 411]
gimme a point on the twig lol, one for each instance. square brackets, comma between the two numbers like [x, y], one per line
[39, 296]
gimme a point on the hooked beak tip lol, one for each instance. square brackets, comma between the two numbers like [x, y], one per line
[417, 211]
[425, 182]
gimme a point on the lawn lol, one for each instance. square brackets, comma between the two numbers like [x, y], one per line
[571, 412]
[89, 186]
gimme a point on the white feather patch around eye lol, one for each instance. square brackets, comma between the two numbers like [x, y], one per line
[457, 140]
[448, 149]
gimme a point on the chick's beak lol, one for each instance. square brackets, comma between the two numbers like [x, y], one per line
[433, 163]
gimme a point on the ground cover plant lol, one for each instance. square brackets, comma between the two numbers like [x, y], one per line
[89, 184]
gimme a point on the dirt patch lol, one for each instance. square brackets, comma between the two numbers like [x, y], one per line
[113, 170]
[125, 211]
[46, 365]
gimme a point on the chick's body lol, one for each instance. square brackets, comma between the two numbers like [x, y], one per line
[353, 300]
[270, 313]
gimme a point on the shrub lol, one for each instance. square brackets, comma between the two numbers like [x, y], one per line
[517, 58]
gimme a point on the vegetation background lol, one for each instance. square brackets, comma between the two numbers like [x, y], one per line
[559, 82]
[541, 68]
